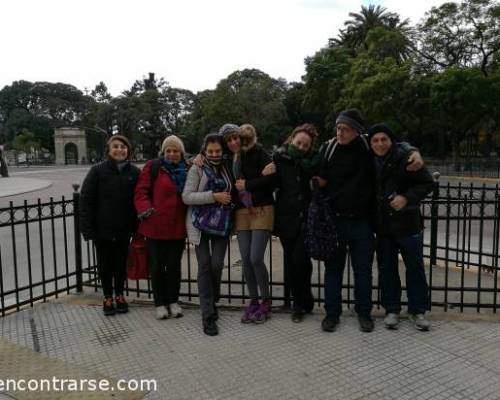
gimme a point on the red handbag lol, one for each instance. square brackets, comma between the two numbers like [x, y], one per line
[138, 259]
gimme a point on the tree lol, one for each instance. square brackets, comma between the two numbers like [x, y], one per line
[324, 81]
[460, 35]
[371, 17]
[460, 98]
[40, 107]
[247, 96]
[25, 141]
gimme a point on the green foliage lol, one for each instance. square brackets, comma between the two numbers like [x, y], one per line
[465, 34]
[437, 84]
[25, 141]
[248, 96]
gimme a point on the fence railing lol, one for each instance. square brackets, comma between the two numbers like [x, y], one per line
[42, 255]
[483, 168]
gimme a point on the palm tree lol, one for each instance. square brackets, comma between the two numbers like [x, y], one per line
[357, 28]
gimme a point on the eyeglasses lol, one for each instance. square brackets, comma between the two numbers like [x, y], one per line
[344, 128]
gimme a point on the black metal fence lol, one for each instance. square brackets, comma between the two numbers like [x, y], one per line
[474, 167]
[42, 255]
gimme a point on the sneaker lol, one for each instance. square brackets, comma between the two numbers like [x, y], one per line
[329, 323]
[421, 323]
[210, 327]
[175, 310]
[263, 313]
[366, 323]
[161, 312]
[249, 312]
[107, 306]
[121, 304]
[391, 321]
[297, 316]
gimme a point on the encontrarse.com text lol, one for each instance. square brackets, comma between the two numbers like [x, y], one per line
[76, 385]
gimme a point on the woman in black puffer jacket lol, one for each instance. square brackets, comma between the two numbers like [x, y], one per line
[296, 163]
[108, 217]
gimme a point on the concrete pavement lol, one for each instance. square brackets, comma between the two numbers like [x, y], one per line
[458, 359]
[13, 186]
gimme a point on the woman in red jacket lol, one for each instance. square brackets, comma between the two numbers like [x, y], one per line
[162, 214]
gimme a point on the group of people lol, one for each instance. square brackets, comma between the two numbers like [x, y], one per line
[373, 186]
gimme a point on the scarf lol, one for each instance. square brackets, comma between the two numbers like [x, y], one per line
[308, 161]
[212, 161]
[177, 172]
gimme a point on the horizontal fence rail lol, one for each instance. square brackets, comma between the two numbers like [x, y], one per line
[42, 255]
[474, 167]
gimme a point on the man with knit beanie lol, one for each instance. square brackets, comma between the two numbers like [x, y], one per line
[399, 228]
[347, 174]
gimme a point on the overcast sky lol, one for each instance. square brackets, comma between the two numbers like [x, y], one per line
[191, 43]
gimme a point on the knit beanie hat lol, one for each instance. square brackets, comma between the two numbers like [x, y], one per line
[122, 139]
[172, 141]
[353, 118]
[381, 128]
[228, 129]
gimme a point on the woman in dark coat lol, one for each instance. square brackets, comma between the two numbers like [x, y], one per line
[108, 217]
[295, 164]
[163, 222]
[399, 228]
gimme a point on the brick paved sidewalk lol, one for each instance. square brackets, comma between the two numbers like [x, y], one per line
[457, 359]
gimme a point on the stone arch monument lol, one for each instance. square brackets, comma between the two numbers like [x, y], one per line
[71, 146]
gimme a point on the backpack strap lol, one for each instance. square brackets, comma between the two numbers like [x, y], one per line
[328, 148]
[155, 170]
[364, 139]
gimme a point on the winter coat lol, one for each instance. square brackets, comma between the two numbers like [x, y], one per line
[194, 194]
[394, 179]
[293, 194]
[168, 221]
[350, 173]
[107, 202]
[253, 162]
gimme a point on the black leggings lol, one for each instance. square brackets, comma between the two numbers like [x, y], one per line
[112, 265]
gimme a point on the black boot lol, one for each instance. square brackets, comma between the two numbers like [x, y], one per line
[297, 315]
[366, 323]
[329, 323]
[210, 327]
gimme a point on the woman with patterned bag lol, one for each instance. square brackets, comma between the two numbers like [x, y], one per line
[208, 193]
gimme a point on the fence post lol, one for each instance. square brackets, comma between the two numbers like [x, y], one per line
[78, 239]
[434, 219]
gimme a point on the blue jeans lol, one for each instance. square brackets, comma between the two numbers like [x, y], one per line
[355, 236]
[411, 249]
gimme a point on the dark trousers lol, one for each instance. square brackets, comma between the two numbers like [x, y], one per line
[299, 270]
[165, 270]
[411, 249]
[356, 237]
[112, 265]
[210, 255]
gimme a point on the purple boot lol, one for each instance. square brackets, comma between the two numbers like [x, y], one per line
[263, 313]
[250, 310]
